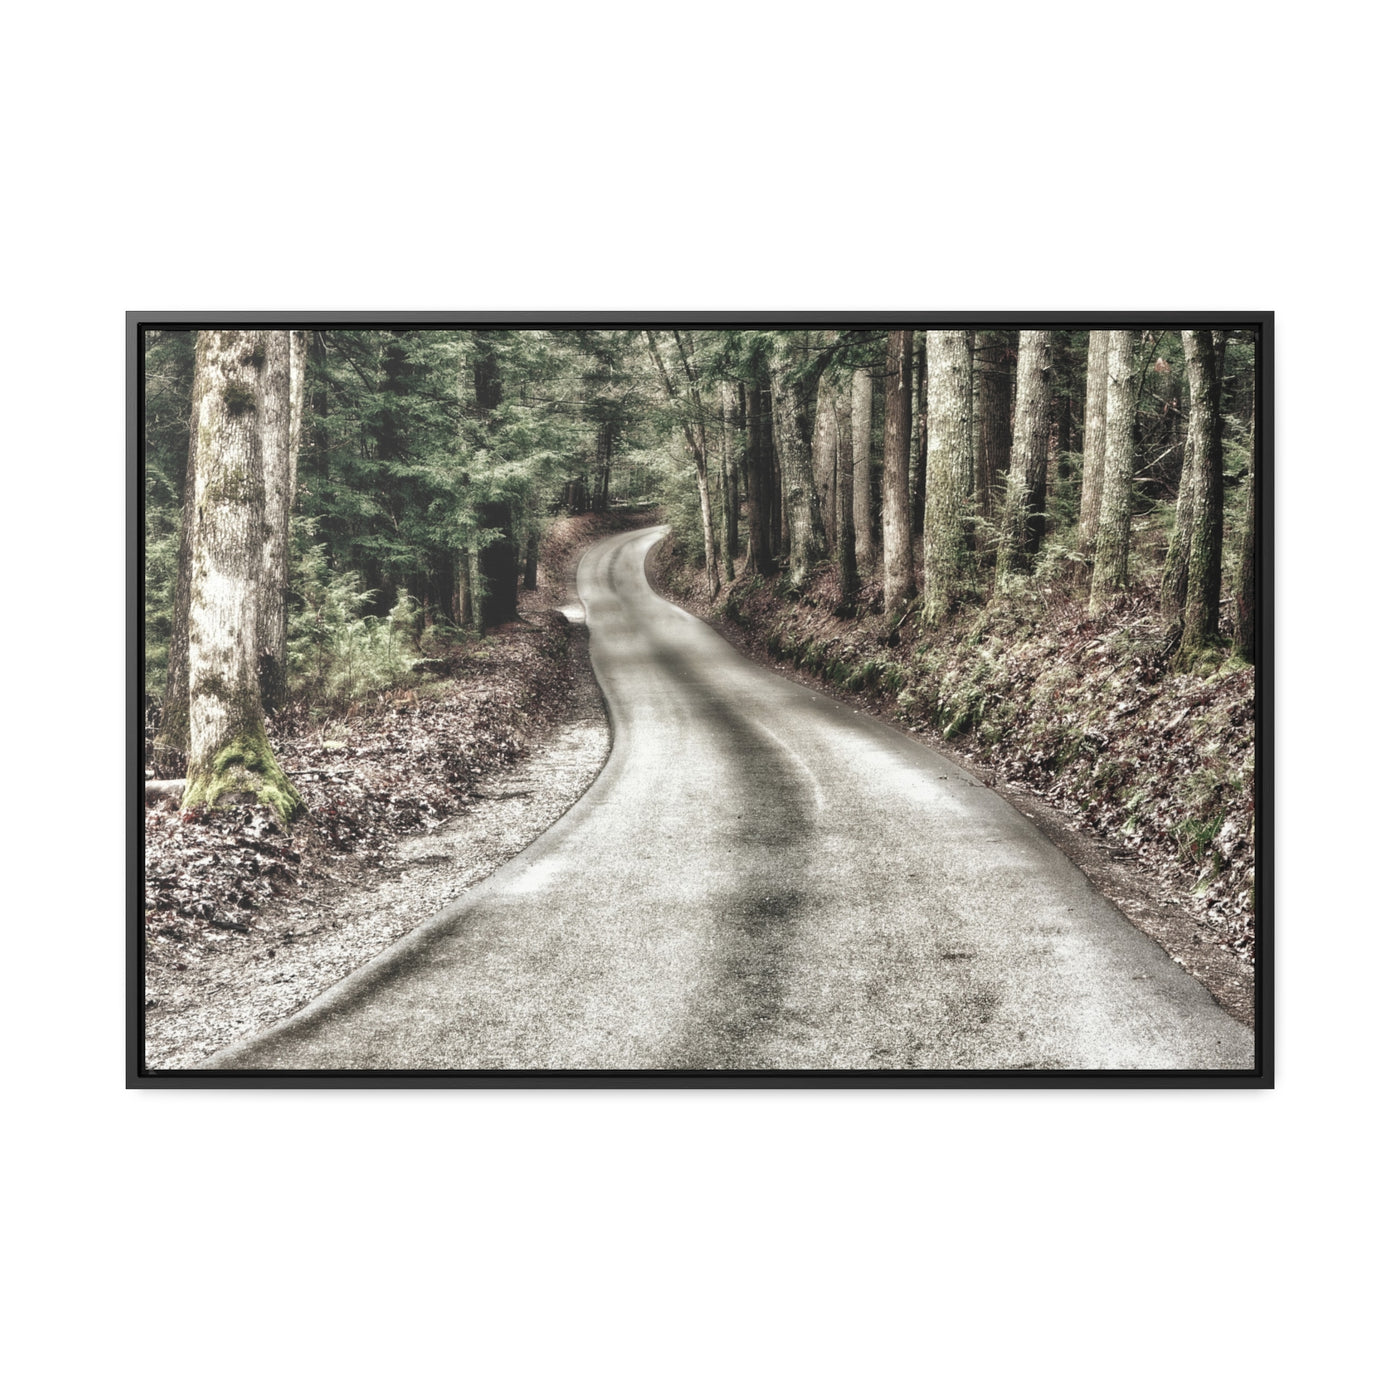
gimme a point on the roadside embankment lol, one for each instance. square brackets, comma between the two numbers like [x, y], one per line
[1073, 714]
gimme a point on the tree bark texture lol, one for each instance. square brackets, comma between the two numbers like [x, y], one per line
[824, 453]
[1174, 571]
[281, 383]
[862, 516]
[1245, 626]
[729, 416]
[1095, 426]
[951, 485]
[476, 588]
[844, 498]
[918, 437]
[899, 543]
[602, 467]
[808, 540]
[496, 564]
[1116, 509]
[778, 520]
[461, 591]
[532, 555]
[1201, 615]
[172, 742]
[1029, 435]
[996, 371]
[230, 757]
[756, 443]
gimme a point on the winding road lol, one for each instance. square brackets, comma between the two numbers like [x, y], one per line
[761, 878]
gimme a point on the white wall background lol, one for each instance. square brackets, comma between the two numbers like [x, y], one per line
[723, 156]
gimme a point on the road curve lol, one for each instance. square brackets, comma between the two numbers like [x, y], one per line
[761, 878]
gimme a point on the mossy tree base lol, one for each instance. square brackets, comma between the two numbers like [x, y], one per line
[245, 771]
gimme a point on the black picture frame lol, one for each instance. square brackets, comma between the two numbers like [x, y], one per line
[1260, 1077]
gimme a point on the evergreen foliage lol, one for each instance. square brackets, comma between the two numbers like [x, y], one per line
[430, 457]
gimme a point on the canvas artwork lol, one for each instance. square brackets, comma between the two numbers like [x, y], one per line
[675, 699]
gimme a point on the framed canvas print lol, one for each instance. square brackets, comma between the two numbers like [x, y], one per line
[686, 699]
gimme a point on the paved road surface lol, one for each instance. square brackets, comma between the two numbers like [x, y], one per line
[761, 878]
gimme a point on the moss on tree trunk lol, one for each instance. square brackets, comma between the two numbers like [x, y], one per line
[245, 771]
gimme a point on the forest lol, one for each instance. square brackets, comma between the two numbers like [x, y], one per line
[1034, 545]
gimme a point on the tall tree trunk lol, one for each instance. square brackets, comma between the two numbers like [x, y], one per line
[532, 552]
[1043, 468]
[602, 468]
[730, 416]
[231, 760]
[318, 381]
[476, 588]
[461, 591]
[281, 384]
[1200, 621]
[778, 517]
[496, 563]
[1245, 626]
[792, 440]
[899, 543]
[824, 453]
[172, 741]
[995, 378]
[950, 469]
[1177, 566]
[844, 497]
[1160, 395]
[756, 439]
[1095, 422]
[918, 437]
[389, 430]
[1116, 509]
[1028, 447]
[475, 377]
[488, 389]
[862, 403]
